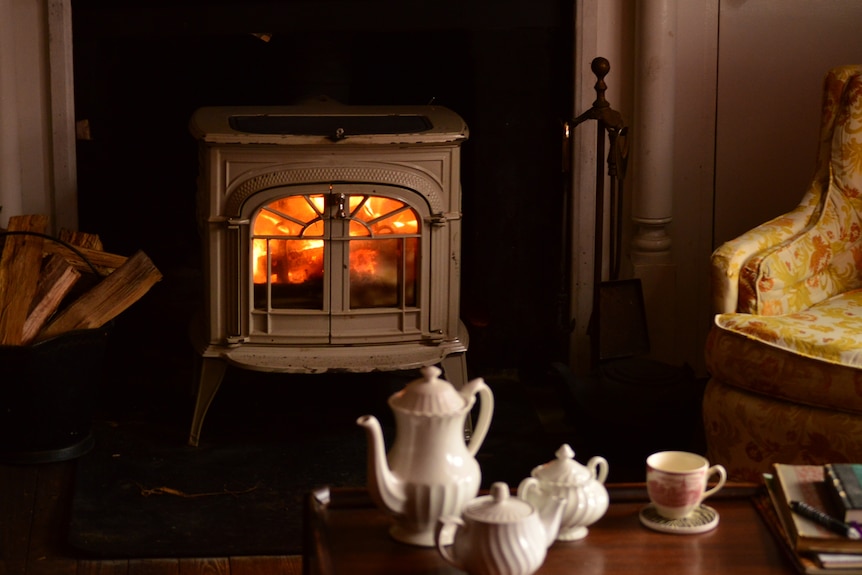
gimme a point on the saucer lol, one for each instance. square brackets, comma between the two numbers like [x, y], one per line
[701, 520]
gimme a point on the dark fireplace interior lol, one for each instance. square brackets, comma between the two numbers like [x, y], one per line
[142, 68]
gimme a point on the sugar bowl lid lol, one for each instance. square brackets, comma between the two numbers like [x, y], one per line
[429, 395]
[498, 507]
[564, 469]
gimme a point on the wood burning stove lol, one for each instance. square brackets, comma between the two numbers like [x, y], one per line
[331, 241]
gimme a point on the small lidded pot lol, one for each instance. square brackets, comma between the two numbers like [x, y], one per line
[581, 486]
[498, 534]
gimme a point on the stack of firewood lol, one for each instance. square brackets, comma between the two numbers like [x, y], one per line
[47, 288]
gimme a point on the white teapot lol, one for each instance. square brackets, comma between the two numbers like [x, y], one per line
[498, 534]
[431, 469]
[582, 487]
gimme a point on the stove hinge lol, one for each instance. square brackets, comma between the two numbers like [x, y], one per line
[440, 220]
[236, 271]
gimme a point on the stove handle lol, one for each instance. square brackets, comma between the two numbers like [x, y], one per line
[340, 203]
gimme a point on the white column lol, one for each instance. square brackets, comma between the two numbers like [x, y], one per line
[653, 167]
[655, 87]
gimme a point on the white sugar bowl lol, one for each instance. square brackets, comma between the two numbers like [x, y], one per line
[581, 486]
[498, 534]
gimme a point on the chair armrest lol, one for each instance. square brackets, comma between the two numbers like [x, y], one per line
[730, 258]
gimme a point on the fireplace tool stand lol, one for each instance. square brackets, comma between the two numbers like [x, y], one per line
[617, 400]
[617, 324]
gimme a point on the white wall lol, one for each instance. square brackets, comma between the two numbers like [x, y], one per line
[773, 55]
[748, 79]
[37, 143]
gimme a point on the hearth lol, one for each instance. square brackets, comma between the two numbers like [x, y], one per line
[331, 241]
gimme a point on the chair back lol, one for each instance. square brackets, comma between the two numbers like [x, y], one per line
[815, 251]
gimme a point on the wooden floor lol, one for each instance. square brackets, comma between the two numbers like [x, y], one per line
[34, 510]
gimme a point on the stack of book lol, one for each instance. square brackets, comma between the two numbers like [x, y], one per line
[834, 489]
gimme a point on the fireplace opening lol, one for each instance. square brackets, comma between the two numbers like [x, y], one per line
[142, 68]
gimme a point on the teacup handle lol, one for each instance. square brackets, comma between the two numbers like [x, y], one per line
[722, 478]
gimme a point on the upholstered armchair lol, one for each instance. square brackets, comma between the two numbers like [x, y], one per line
[785, 350]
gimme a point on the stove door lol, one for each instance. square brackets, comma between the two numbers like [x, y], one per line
[337, 263]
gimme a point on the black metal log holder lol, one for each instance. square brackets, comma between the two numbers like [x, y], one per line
[623, 299]
[50, 388]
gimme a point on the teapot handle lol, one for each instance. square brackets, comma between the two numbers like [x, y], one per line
[599, 467]
[444, 535]
[483, 422]
[527, 486]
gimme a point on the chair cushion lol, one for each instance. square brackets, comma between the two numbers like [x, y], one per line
[813, 357]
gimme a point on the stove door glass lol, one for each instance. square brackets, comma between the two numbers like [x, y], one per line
[288, 253]
[383, 267]
[374, 239]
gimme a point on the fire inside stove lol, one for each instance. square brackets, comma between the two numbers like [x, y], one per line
[298, 241]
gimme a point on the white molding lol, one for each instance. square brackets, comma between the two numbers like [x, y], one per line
[38, 172]
[64, 206]
[10, 152]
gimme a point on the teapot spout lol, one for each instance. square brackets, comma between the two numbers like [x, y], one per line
[551, 515]
[385, 488]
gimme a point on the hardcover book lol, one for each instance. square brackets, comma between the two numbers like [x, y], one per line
[807, 483]
[845, 485]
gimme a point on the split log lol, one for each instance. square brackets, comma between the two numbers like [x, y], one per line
[104, 262]
[113, 295]
[57, 279]
[20, 266]
[81, 239]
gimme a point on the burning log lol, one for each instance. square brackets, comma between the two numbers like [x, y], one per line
[37, 277]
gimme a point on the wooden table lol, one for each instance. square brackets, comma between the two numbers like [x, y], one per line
[346, 534]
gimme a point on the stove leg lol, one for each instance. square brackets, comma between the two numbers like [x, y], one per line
[455, 369]
[212, 373]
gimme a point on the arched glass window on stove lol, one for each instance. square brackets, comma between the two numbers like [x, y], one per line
[380, 240]
[384, 252]
[288, 253]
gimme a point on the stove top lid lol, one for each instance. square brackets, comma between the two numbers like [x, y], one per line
[327, 123]
[333, 126]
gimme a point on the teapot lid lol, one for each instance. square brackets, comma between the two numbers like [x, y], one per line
[498, 507]
[564, 469]
[429, 395]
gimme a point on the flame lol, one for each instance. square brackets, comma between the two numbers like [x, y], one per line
[363, 262]
[296, 264]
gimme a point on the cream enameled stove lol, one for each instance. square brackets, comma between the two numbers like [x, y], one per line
[331, 241]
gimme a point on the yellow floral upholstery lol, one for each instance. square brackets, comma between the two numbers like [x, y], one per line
[785, 352]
